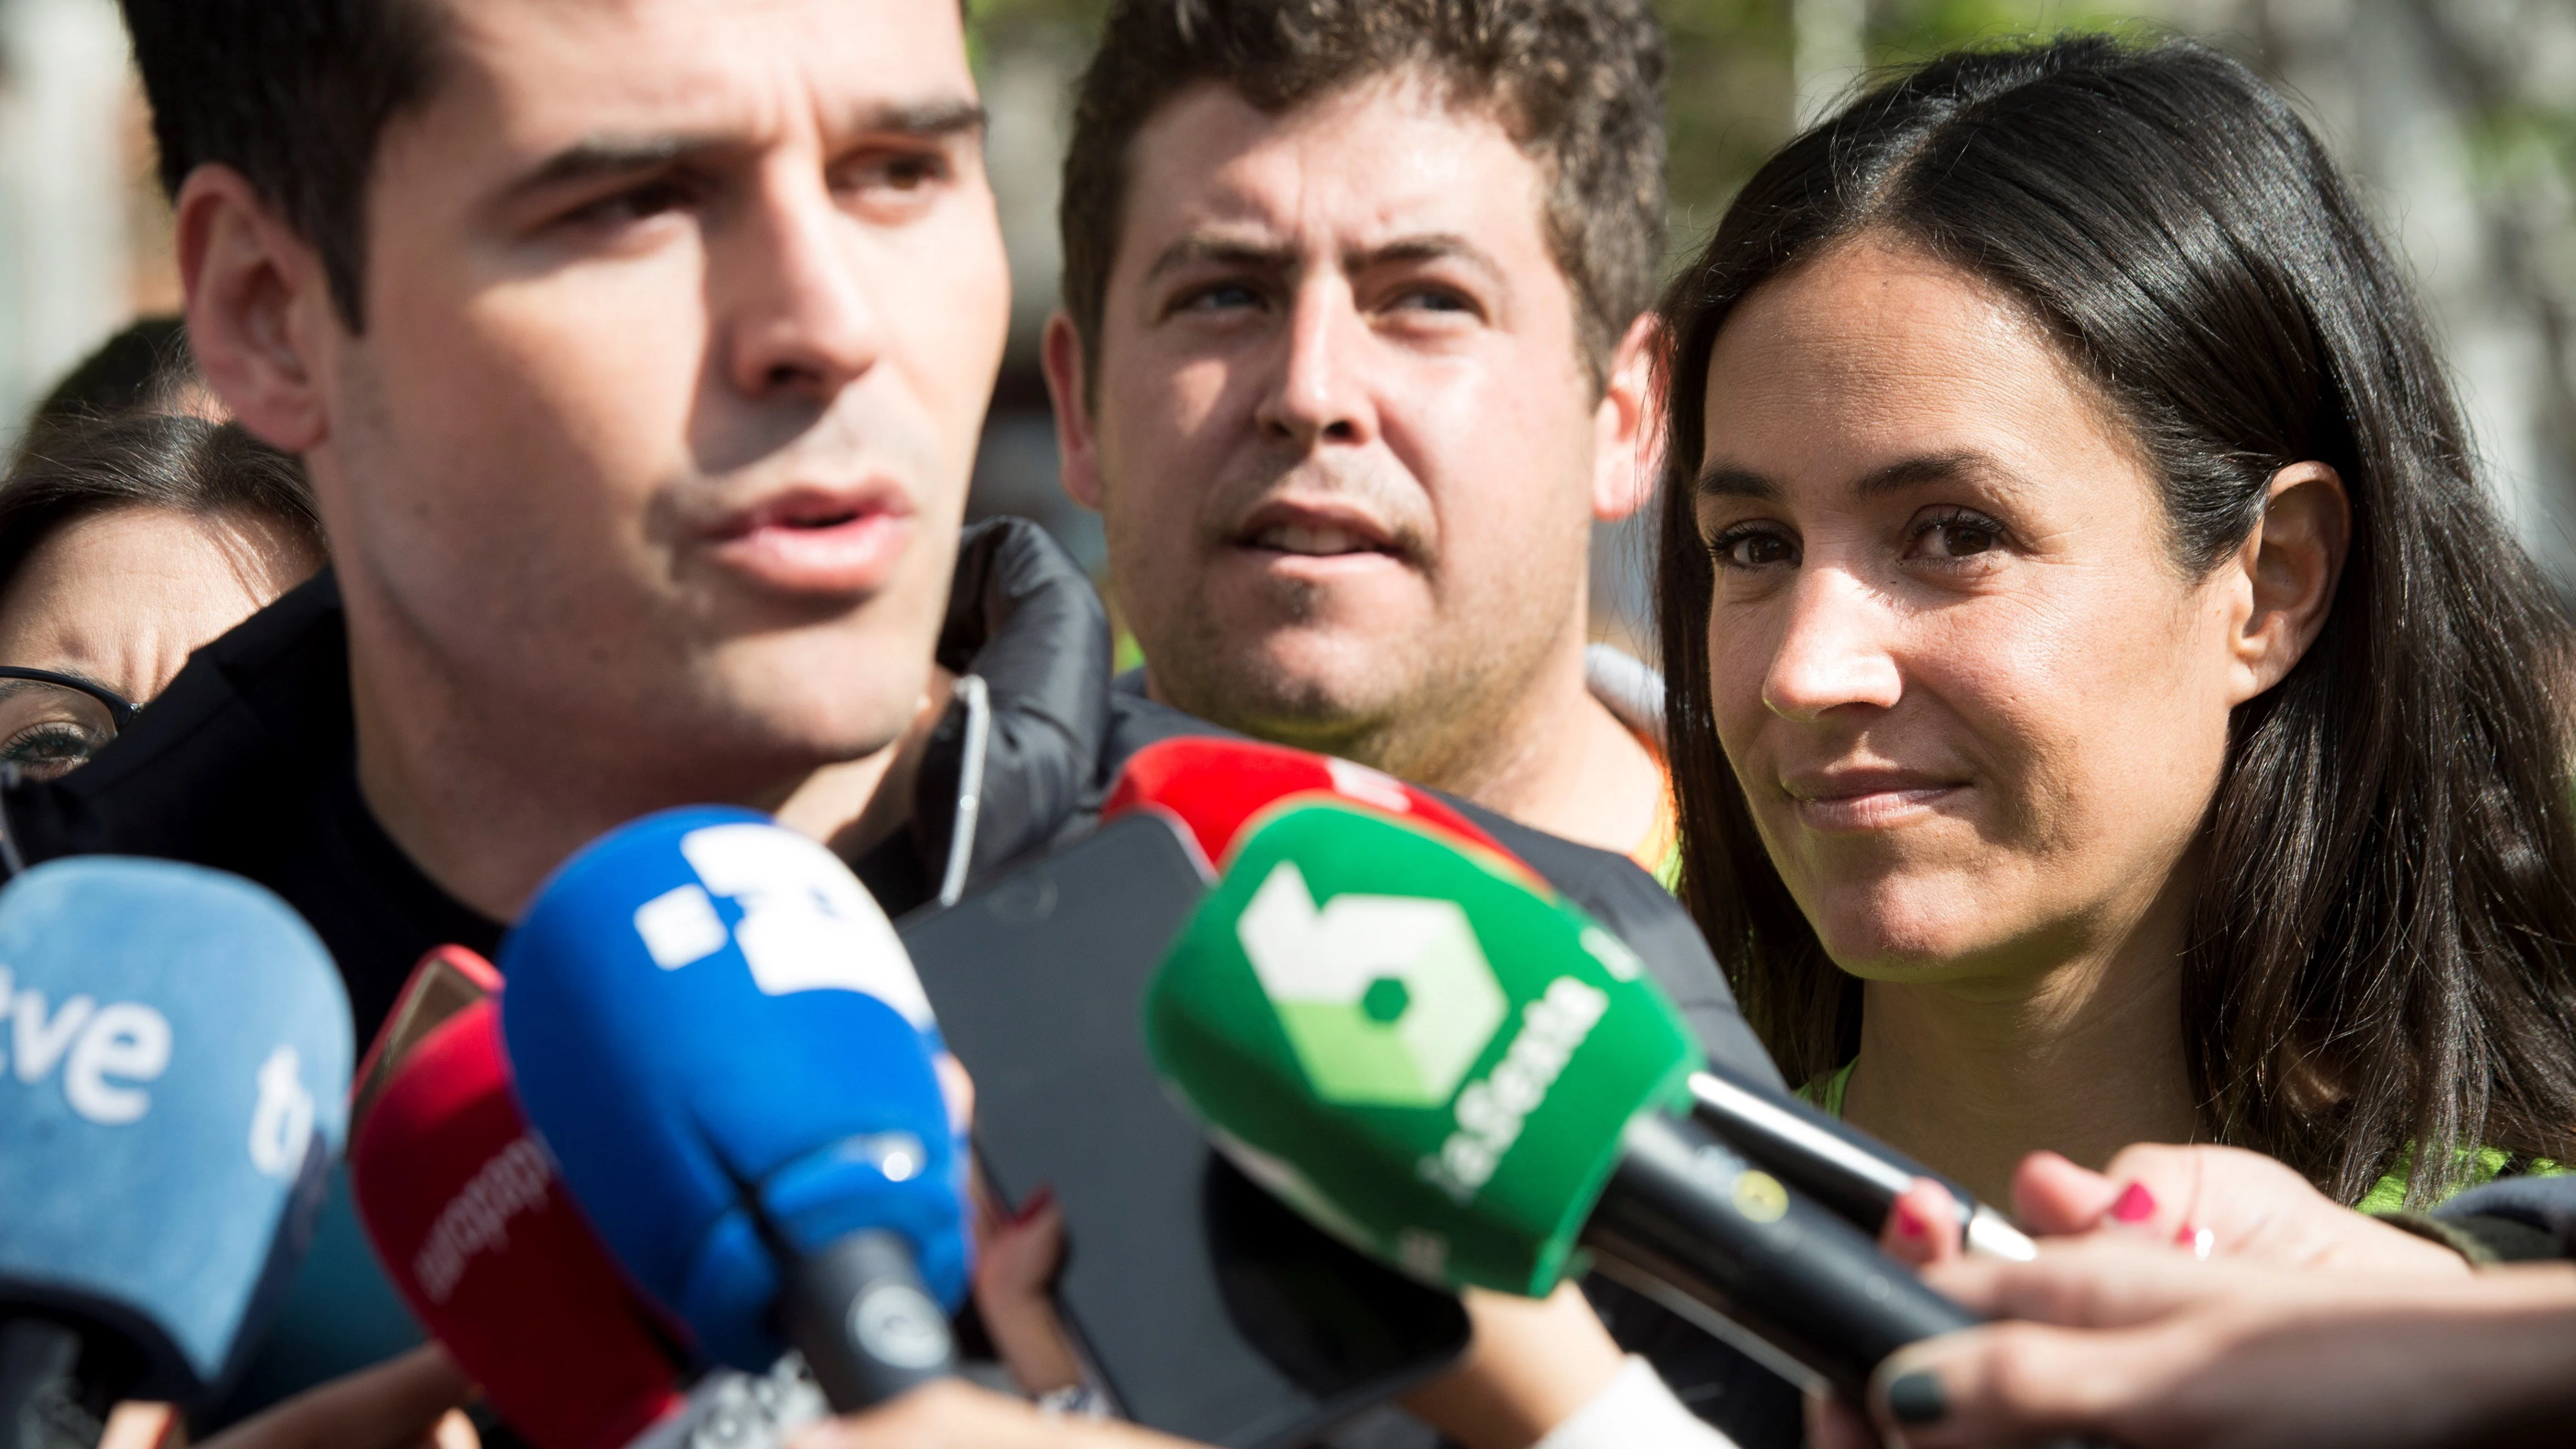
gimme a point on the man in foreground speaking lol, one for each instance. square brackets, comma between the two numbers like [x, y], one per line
[1352, 358]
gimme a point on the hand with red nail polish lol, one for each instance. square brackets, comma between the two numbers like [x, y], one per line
[2221, 1202]
[1923, 1225]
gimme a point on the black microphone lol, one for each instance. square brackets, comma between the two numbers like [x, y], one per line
[1841, 1167]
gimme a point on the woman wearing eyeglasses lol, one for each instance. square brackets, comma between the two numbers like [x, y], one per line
[125, 545]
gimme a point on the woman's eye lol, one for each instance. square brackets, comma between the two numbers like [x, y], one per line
[1959, 535]
[45, 751]
[1752, 550]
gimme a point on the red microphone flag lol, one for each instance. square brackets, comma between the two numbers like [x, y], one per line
[471, 1223]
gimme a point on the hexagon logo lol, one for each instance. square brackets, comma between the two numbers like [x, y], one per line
[1388, 1000]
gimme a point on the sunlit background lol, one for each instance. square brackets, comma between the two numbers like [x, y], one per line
[2459, 116]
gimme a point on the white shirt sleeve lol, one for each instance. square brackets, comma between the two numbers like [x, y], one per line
[1635, 1412]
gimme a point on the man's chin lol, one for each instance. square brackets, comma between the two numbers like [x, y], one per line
[1302, 685]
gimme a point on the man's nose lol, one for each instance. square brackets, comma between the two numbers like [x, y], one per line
[802, 323]
[1319, 395]
[1836, 649]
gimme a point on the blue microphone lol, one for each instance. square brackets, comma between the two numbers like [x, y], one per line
[722, 1042]
[177, 1050]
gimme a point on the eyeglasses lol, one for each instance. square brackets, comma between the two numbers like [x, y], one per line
[50, 724]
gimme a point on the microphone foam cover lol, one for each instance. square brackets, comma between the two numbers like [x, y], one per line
[703, 1004]
[467, 1216]
[1410, 1045]
[1216, 787]
[177, 1049]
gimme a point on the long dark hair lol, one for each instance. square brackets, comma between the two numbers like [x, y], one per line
[2377, 968]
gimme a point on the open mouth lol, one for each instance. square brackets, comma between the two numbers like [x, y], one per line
[1306, 530]
[818, 540]
[1310, 540]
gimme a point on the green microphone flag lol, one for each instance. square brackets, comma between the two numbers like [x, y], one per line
[1410, 1044]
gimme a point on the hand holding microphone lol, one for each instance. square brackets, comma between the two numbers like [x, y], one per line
[724, 1046]
[1471, 1080]
[177, 1046]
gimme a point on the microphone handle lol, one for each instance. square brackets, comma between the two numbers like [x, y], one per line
[39, 1402]
[1685, 1209]
[1843, 1169]
[858, 1313]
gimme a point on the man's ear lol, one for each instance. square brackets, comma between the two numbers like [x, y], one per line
[1077, 446]
[2285, 575]
[259, 308]
[1628, 427]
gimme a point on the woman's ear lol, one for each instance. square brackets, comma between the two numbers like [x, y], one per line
[2288, 569]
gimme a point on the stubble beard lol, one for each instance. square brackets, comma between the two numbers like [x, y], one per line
[1439, 706]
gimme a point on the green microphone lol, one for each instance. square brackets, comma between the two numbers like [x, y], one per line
[1434, 1060]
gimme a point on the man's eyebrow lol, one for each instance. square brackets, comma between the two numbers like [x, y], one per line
[602, 157]
[924, 119]
[1202, 250]
[599, 158]
[1430, 247]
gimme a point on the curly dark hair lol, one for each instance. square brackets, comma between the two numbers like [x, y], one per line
[2378, 967]
[1579, 83]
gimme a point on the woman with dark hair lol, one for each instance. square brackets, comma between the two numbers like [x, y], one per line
[2104, 706]
[125, 544]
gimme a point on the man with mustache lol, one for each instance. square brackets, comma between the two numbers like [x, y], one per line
[1351, 361]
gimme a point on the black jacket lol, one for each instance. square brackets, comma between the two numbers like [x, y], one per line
[247, 763]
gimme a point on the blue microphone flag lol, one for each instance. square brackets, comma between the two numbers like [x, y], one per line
[177, 1053]
[707, 1017]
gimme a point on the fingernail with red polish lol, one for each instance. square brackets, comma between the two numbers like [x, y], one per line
[1036, 1204]
[2136, 1204]
[1909, 1223]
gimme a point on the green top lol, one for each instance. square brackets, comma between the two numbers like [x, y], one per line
[2388, 1195]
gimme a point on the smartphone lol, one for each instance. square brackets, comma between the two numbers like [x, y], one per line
[1205, 1308]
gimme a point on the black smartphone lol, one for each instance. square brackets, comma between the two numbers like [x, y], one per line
[1206, 1309]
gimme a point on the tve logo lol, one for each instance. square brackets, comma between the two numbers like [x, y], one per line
[106, 1053]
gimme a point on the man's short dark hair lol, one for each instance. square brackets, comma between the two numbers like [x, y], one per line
[294, 95]
[1578, 83]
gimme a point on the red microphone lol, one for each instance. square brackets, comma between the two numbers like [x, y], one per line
[1215, 788]
[467, 1216]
